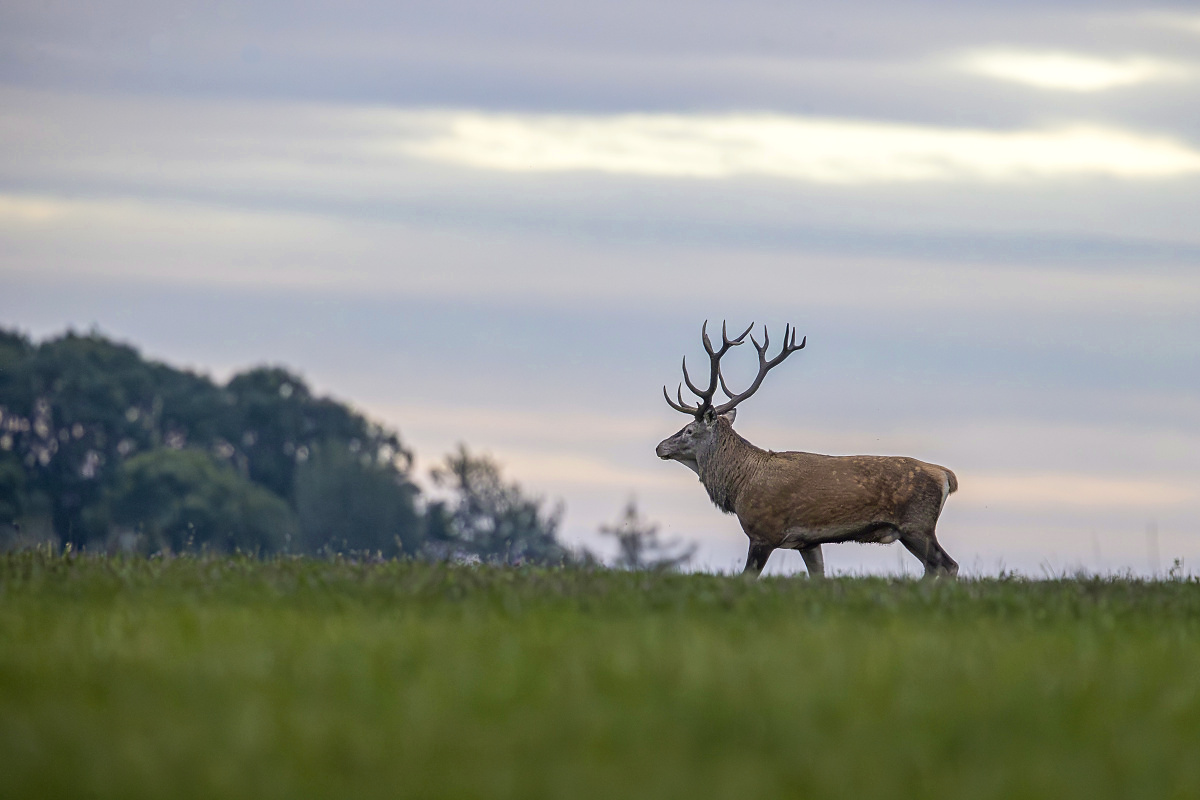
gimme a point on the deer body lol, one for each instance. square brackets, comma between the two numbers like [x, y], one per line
[796, 500]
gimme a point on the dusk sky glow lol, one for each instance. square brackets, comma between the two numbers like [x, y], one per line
[506, 228]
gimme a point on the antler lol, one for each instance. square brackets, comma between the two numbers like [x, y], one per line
[765, 365]
[714, 358]
[715, 377]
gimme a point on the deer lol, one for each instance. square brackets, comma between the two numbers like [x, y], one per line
[796, 500]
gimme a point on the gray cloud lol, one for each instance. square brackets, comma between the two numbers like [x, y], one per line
[347, 162]
[226, 184]
[866, 60]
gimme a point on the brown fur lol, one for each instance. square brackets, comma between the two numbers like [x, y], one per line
[801, 500]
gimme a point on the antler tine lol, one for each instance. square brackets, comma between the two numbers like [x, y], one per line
[688, 380]
[739, 339]
[714, 361]
[794, 347]
[730, 343]
[726, 342]
[696, 409]
[724, 388]
[715, 378]
[765, 364]
[789, 347]
[766, 342]
[705, 395]
[680, 406]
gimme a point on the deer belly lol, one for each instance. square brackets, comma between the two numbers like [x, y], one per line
[798, 538]
[880, 533]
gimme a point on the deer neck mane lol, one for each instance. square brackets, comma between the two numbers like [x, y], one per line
[725, 465]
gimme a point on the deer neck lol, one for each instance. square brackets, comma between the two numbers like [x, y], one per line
[725, 465]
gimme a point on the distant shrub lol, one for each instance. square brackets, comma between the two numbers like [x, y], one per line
[187, 499]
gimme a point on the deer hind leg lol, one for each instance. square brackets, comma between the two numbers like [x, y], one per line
[924, 545]
[813, 560]
[756, 559]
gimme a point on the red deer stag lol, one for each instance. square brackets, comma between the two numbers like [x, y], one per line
[802, 500]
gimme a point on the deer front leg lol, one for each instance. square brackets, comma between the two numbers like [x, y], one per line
[756, 559]
[814, 562]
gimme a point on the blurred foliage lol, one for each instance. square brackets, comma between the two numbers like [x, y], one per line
[174, 499]
[348, 500]
[492, 518]
[639, 545]
[88, 426]
[12, 488]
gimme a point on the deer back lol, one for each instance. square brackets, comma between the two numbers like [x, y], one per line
[828, 496]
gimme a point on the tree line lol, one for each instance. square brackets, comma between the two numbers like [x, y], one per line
[102, 449]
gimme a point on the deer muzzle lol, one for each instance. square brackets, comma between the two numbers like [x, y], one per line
[668, 448]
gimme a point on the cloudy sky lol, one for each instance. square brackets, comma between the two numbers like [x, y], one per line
[504, 223]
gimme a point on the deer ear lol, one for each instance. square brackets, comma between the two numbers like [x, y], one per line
[730, 415]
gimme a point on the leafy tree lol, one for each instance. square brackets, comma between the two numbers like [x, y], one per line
[275, 422]
[15, 350]
[75, 405]
[74, 409]
[639, 546]
[12, 488]
[184, 499]
[350, 500]
[492, 518]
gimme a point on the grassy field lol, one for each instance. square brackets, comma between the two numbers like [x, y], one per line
[213, 677]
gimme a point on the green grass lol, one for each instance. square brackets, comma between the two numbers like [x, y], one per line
[211, 677]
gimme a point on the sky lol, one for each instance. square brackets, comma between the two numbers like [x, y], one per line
[503, 224]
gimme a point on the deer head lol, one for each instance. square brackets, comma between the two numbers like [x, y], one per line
[696, 439]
